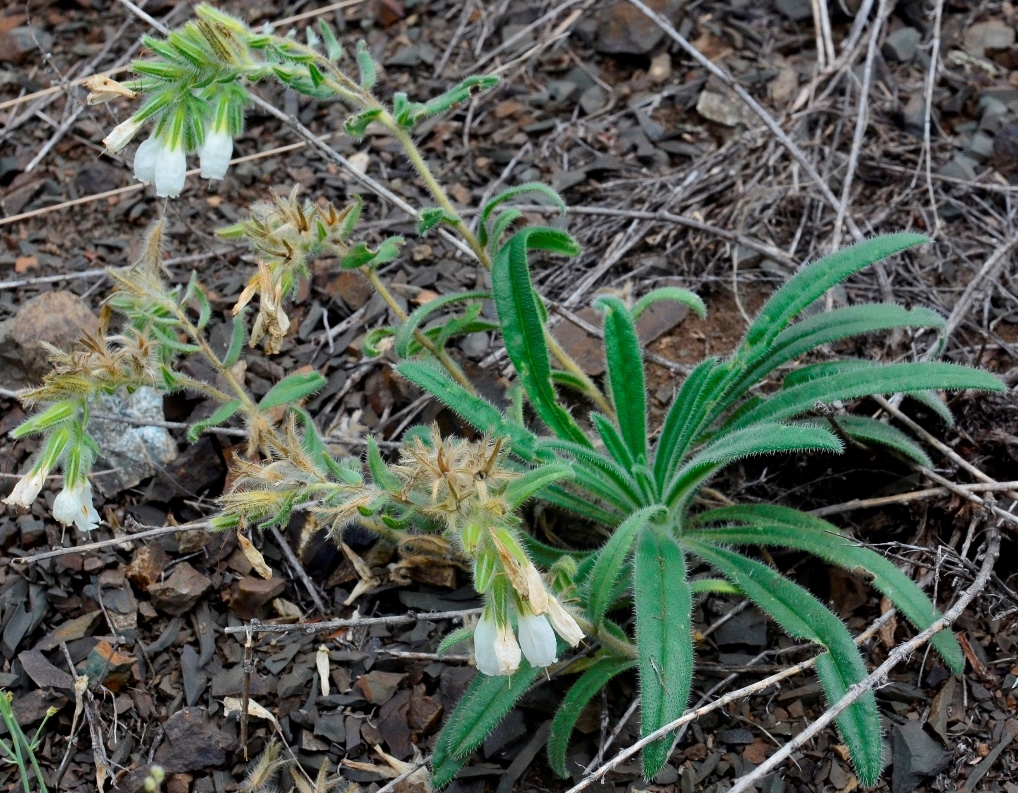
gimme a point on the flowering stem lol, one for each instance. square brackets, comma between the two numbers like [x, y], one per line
[590, 388]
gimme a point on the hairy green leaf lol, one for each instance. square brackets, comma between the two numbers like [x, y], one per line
[612, 440]
[611, 558]
[664, 639]
[596, 677]
[624, 358]
[746, 442]
[482, 707]
[867, 430]
[802, 616]
[528, 188]
[236, 340]
[421, 314]
[360, 255]
[674, 293]
[366, 65]
[222, 414]
[582, 506]
[812, 281]
[619, 488]
[292, 388]
[865, 381]
[380, 472]
[684, 416]
[772, 524]
[476, 411]
[533, 481]
[522, 326]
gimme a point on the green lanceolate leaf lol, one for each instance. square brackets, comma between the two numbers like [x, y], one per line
[52, 416]
[380, 472]
[219, 417]
[612, 441]
[532, 482]
[857, 382]
[812, 281]
[333, 49]
[825, 328]
[625, 374]
[663, 638]
[460, 93]
[673, 293]
[581, 506]
[236, 340]
[360, 255]
[802, 616]
[610, 560]
[867, 430]
[583, 690]
[619, 487]
[292, 389]
[529, 188]
[430, 217]
[366, 65]
[482, 707]
[746, 442]
[453, 638]
[684, 416]
[477, 412]
[523, 328]
[421, 314]
[772, 524]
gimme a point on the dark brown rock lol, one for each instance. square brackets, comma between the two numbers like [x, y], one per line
[180, 591]
[191, 743]
[147, 565]
[253, 593]
[58, 318]
[625, 30]
[379, 687]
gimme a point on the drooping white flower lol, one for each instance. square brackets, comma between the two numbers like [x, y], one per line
[484, 645]
[537, 639]
[170, 170]
[27, 489]
[121, 135]
[495, 649]
[74, 505]
[507, 650]
[145, 160]
[215, 154]
[563, 623]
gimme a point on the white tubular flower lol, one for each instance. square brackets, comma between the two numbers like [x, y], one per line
[484, 645]
[74, 505]
[215, 154]
[563, 623]
[170, 171]
[507, 651]
[27, 489]
[537, 639]
[495, 649]
[145, 161]
[121, 135]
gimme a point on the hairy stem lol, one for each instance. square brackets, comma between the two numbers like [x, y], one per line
[442, 357]
[567, 363]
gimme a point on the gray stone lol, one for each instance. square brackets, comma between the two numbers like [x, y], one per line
[960, 167]
[795, 10]
[915, 756]
[737, 736]
[593, 99]
[17, 45]
[135, 452]
[560, 90]
[980, 147]
[747, 628]
[990, 35]
[902, 45]
[725, 109]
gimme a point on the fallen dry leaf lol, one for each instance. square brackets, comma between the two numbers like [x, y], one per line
[254, 556]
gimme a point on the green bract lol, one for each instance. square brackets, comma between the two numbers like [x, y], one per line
[646, 493]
